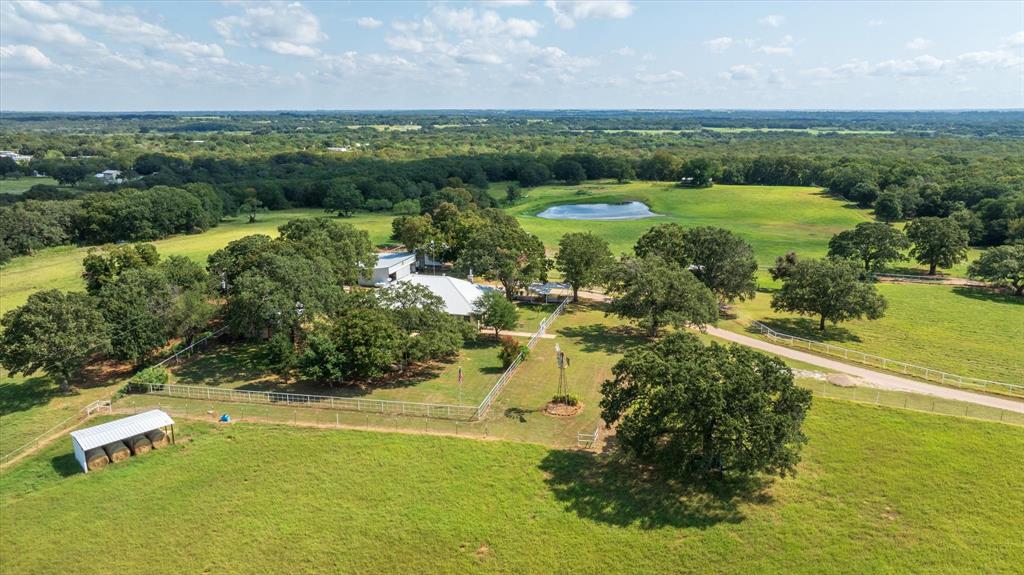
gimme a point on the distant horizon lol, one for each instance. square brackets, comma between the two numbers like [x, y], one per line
[446, 110]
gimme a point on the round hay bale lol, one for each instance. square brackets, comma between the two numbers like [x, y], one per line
[117, 451]
[96, 458]
[139, 445]
[158, 438]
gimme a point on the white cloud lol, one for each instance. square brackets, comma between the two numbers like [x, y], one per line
[784, 47]
[626, 51]
[919, 44]
[288, 29]
[773, 20]
[24, 57]
[720, 44]
[662, 78]
[567, 12]
[1016, 39]
[369, 22]
[875, 23]
[990, 59]
[740, 72]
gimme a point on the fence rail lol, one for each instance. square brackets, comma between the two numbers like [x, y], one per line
[925, 373]
[485, 404]
[376, 406]
[588, 440]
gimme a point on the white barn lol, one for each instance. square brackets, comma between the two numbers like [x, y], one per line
[390, 267]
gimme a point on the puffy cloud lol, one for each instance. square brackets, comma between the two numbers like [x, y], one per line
[875, 23]
[740, 72]
[720, 44]
[919, 44]
[369, 22]
[626, 51]
[288, 29]
[567, 12]
[24, 57]
[772, 20]
[1016, 39]
[784, 47]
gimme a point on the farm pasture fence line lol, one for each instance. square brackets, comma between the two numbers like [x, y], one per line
[197, 345]
[374, 406]
[73, 420]
[485, 404]
[896, 366]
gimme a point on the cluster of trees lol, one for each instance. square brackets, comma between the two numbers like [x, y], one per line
[134, 305]
[295, 292]
[126, 215]
[485, 242]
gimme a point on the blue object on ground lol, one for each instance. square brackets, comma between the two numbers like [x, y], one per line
[225, 418]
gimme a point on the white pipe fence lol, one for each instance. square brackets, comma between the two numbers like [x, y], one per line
[925, 373]
[588, 440]
[377, 406]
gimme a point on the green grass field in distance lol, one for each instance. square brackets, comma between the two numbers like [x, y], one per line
[23, 183]
[878, 490]
[965, 331]
[774, 219]
[61, 267]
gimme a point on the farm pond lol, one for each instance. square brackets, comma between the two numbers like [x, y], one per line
[623, 211]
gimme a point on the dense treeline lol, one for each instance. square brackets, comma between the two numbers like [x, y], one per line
[101, 217]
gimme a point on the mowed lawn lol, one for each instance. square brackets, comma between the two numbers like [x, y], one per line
[61, 267]
[965, 331]
[878, 490]
[774, 219]
[23, 183]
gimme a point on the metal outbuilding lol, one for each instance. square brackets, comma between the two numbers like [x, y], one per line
[83, 440]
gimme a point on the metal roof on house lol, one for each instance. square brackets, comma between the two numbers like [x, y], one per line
[390, 260]
[459, 295]
[121, 429]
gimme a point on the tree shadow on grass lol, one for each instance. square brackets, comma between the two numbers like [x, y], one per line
[224, 365]
[66, 465]
[846, 203]
[518, 413]
[607, 489]
[807, 328]
[988, 295]
[19, 396]
[602, 338]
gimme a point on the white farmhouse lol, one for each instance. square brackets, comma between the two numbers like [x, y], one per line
[110, 176]
[458, 294]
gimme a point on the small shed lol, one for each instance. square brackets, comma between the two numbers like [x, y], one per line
[82, 440]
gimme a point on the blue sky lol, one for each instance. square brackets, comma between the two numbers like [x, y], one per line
[130, 56]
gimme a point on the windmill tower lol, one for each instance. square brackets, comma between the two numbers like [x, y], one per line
[563, 363]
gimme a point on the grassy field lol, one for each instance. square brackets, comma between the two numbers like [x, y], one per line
[878, 490]
[774, 219]
[960, 330]
[23, 183]
[62, 267]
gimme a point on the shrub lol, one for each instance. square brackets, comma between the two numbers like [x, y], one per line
[156, 377]
[570, 399]
[510, 350]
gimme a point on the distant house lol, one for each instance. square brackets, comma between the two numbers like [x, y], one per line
[337, 149]
[390, 267]
[458, 294]
[110, 176]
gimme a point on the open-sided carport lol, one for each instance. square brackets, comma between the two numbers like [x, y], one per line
[82, 440]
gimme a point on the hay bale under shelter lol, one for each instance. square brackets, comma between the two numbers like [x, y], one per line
[96, 458]
[139, 444]
[117, 451]
[158, 438]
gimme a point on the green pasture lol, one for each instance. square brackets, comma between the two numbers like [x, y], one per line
[61, 267]
[878, 490]
[774, 219]
[970, 332]
[23, 183]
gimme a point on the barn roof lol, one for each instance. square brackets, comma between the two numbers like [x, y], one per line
[459, 295]
[120, 429]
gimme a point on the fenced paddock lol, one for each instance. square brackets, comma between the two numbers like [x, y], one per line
[363, 405]
[884, 363]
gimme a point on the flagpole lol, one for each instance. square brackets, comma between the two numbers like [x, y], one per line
[460, 385]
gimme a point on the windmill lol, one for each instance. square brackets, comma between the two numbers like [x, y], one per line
[563, 363]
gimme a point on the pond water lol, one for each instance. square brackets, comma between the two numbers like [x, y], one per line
[623, 211]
